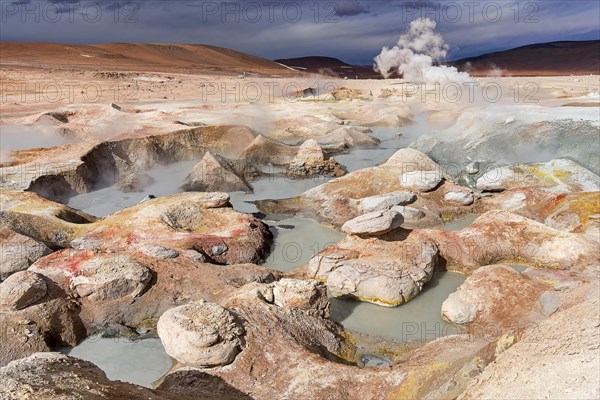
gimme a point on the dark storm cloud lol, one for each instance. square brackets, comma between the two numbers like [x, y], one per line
[350, 8]
[352, 30]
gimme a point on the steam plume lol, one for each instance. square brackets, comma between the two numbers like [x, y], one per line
[414, 54]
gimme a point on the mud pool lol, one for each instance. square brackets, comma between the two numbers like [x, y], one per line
[109, 200]
[460, 223]
[142, 362]
[297, 239]
[418, 320]
[391, 140]
[169, 178]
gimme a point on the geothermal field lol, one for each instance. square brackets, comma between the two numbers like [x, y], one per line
[182, 221]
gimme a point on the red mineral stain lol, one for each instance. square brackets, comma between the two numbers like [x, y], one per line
[75, 260]
[554, 202]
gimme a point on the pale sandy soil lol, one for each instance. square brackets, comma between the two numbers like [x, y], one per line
[148, 103]
[219, 99]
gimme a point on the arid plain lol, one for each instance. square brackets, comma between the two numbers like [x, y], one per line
[259, 219]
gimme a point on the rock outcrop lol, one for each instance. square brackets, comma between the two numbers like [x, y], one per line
[204, 222]
[556, 358]
[576, 212]
[54, 376]
[44, 221]
[21, 290]
[374, 223]
[99, 277]
[378, 188]
[310, 296]
[36, 316]
[162, 252]
[201, 334]
[101, 163]
[386, 201]
[134, 182]
[263, 150]
[423, 181]
[190, 221]
[345, 137]
[410, 215]
[496, 297]
[464, 197]
[504, 237]
[76, 304]
[261, 334]
[320, 357]
[124, 270]
[310, 161]
[213, 174]
[560, 176]
[18, 252]
[387, 273]
[133, 289]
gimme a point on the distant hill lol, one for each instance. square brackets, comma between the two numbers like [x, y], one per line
[330, 66]
[137, 57]
[555, 58]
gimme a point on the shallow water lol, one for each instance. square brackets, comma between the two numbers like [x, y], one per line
[273, 188]
[365, 157]
[169, 178]
[141, 362]
[518, 267]
[297, 240]
[108, 200]
[418, 320]
[460, 223]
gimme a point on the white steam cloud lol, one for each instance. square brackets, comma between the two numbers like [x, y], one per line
[414, 55]
[20, 137]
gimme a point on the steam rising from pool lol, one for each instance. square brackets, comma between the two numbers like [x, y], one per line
[20, 137]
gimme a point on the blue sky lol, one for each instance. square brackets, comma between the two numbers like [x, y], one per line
[353, 30]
